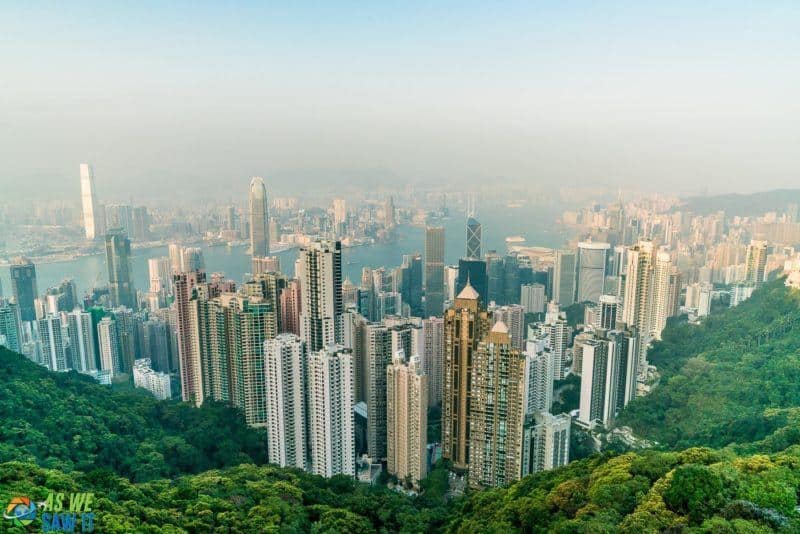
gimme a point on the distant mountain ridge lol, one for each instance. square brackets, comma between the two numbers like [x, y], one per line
[747, 204]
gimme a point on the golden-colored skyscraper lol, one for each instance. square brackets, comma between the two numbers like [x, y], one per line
[465, 325]
[496, 410]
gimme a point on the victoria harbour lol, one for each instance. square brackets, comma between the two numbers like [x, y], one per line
[534, 223]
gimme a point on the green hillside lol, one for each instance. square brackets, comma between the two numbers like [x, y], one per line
[733, 380]
[153, 466]
[67, 421]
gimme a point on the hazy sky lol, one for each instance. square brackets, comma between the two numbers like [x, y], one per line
[203, 95]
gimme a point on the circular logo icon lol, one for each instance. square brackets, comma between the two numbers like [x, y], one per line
[21, 511]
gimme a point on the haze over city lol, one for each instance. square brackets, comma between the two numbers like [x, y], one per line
[694, 97]
[362, 268]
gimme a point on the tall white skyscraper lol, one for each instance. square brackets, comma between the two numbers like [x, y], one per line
[81, 339]
[538, 381]
[259, 217]
[339, 211]
[54, 342]
[285, 384]
[92, 218]
[109, 346]
[532, 297]
[406, 418]
[330, 411]
[319, 268]
[608, 378]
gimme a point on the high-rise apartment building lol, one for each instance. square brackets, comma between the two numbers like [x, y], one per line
[108, 346]
[81, 338]
[187, 335]
[23, 287]
[608, 378]
[496, 411]
[513, 316]
[545, 442]
[10, 328]
[608, 306]
[756, 262]
[290, 304]
[377, 352]
[433, 357]
[434, 270]
[330, 411]
[259, 217]
[532, 297]
[285, 360]
[55, 342]
[564, 277]
[158, 384]
[538, 376]
[319, 269]
[465, 325]
[120, 275]
[406, 418]
[92, 218]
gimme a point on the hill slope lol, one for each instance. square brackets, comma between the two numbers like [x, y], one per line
[731, 380]
[67, 421]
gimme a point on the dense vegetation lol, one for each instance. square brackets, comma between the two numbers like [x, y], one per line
[67, 421]
[730, 383]
[732, 380]
[696, 490]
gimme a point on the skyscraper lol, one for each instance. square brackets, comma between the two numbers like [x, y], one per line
[91, 211]
[434, 270]
[319, 268]
[532, 297]
[608, 377]
[496, 411]
[330, 411]
[545, 443]
[108, 345]
[473, 238]
[756, 262]
[54, 342]
[23, 286]
[187, 335]
[591, 269]
[377, 352]
[10, 333]
[513, 316]
[339, 211]
[285, 384]
[411, 284]
[81, 339]
[465, 325]
[290, 307]
[564, 277]
[259, 218]
[406, 418]
[118, 259]
[433, 357]
[538, 377]
[474, 271]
